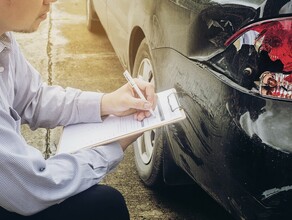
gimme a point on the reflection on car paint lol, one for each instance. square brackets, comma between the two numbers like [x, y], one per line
[223, 20]
[272, 128]
[184, 143]
[189, 100]
[186, 165]
[271, 192]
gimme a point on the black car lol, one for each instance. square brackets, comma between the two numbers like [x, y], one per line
[231, 64]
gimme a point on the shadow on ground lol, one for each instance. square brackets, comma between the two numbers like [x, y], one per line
[189, 202]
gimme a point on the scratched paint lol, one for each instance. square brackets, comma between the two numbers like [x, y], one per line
[271, 192]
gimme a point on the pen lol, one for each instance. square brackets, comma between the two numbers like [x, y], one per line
[136, 88]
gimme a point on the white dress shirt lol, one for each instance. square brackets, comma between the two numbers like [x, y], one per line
[28, 182]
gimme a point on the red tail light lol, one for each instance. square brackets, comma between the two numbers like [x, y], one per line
[273, 37]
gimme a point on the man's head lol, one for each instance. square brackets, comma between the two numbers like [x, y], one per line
[23, 15]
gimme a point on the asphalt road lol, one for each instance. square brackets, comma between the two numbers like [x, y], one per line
[65, 53]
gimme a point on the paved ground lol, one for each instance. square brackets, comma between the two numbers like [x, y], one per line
[67, 54]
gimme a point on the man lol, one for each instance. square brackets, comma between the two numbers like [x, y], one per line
[64, 185]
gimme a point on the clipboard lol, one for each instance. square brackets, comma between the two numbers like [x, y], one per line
[86, 135]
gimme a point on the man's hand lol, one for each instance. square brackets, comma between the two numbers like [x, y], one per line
[124, 101]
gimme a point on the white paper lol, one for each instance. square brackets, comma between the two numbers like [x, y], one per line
[75, 137]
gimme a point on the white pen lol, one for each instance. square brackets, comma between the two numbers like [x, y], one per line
[136, 88]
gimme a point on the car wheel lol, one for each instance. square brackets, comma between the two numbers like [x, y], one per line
[148, 148]
[92, 20]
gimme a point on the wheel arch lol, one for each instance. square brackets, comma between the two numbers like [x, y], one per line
[172, 174]
[136, 38]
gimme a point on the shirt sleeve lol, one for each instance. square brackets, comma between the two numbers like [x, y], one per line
[29, 183]
[42, 105]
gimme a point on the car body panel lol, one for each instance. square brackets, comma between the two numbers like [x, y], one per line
[215, 148]
[234, 143]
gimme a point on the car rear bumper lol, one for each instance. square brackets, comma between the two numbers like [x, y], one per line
[234, 144]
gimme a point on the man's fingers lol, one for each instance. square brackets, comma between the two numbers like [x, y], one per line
[139, 104]
[147, 88]
[141, 115]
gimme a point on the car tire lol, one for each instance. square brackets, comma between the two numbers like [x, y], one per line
[92, 20]
[148, 149]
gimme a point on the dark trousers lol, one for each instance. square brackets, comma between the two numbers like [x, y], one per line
[99, 202]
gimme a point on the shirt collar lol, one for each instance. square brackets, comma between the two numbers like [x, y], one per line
[5, 42]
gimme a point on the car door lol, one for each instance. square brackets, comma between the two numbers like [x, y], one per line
[118, 17]
[100, 8]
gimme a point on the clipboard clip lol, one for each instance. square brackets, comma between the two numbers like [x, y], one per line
[173, 102]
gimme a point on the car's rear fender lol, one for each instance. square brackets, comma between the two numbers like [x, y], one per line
[214, 146]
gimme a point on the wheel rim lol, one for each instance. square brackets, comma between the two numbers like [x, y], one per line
[145, 143]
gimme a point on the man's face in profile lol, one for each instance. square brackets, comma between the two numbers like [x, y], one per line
[23, 15]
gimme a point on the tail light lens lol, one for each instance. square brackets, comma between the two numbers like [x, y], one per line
[259, 57]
